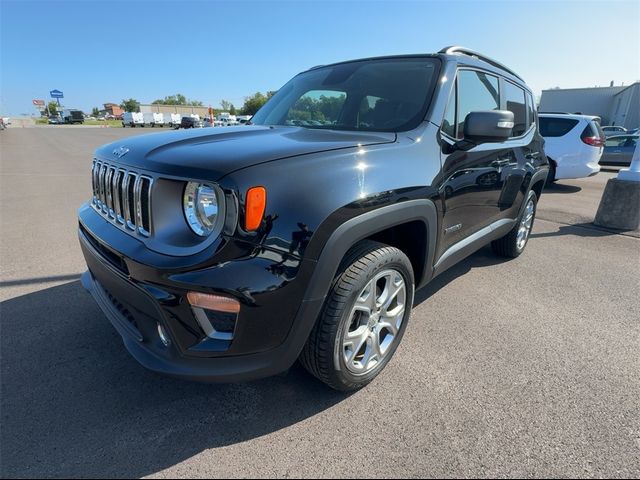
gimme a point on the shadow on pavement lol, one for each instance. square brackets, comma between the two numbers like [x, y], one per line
[31, 281]
[75, 404]
[482, 258]
[580, 230]
[560, 188]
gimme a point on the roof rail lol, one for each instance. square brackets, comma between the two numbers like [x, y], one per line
[466, 51]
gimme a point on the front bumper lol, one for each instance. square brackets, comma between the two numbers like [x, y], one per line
[135, 307]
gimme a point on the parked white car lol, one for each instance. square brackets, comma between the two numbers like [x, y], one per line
[132, 119]
[573, 145]
[611, 130]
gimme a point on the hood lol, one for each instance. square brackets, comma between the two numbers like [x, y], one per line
[211, 153]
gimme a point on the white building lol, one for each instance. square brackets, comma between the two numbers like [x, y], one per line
[615, 105]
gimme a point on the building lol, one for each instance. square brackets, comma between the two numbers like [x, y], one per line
[112, 109]
[181, 109]
[615, 105]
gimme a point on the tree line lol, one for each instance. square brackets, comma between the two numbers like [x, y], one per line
[251, 103]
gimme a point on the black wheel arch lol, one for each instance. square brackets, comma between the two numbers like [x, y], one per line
[381, 224]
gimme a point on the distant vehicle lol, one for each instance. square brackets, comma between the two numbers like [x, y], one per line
[619, 150]
[72, 116]
[132, 119]
[573, 145]
[611, 130]
[54, 120]
[633, 131]
[191, 122]
[6, 121]
[226, 119]
[158, 119]
[172, 119]
[244, 119]
[153, 119]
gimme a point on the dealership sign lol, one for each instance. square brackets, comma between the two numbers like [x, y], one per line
[56, 94]
[38, 103]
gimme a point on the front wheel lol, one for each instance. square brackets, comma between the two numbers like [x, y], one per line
[513, 243]
[364, 317]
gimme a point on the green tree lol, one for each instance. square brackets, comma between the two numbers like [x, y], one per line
[53, 108]
[225, 105]
[131, 105]
[253, 103]
[95, 112]
[177, 99]
[233, 110]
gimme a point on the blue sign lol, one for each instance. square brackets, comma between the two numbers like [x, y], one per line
[56, 94]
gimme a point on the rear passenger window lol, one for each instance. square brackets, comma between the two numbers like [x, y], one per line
[516, 103]
[476, 91]
[531, 110]
[556, 127]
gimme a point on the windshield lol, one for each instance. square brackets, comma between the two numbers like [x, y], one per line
[384, 95]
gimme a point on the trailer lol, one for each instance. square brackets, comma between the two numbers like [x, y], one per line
[71, 115]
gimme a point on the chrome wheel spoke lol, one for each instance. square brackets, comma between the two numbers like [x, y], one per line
[366, 301]
[375, 321]
[525, 225]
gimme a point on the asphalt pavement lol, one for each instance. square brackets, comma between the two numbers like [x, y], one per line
[521, 368]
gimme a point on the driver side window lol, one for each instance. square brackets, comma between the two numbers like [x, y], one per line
[476, 91]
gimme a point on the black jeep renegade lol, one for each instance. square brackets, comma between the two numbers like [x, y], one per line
[227, 254]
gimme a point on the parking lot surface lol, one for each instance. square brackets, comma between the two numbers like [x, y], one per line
[518, 368]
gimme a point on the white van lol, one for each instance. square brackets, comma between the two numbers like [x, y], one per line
[132, 119]
[172, 119]
[158, 119]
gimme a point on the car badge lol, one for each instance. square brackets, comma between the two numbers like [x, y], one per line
[121, 152]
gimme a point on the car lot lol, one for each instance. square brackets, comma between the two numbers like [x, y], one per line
[521, 368]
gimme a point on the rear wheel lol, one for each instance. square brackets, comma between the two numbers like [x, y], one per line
[551, 176]
[363, 319]
[514, 242]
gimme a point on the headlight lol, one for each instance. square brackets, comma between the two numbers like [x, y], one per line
[201, 208]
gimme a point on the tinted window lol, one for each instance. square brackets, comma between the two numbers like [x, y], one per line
[317, 107]
[476, 91]
[530, 110]
[449, 121]
[556, 127]
[397, 93]
[516, 103]
[615, 142]
[593, 129]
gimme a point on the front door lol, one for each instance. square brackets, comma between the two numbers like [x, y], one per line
[472, 180]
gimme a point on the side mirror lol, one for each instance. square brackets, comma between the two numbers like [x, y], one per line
[488, 126]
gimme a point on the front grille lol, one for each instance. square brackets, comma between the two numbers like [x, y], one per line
[122, 196]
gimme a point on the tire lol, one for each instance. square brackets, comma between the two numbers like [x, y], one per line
[514, 242]
[370, 271]
[551, 176]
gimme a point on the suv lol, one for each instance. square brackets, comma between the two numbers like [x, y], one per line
[190, 122]
[573, 144]
[225, 255]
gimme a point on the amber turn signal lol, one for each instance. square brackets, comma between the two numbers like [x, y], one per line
[213, 302]
[255, 206]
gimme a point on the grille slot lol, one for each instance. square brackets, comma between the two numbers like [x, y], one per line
[123, 197]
